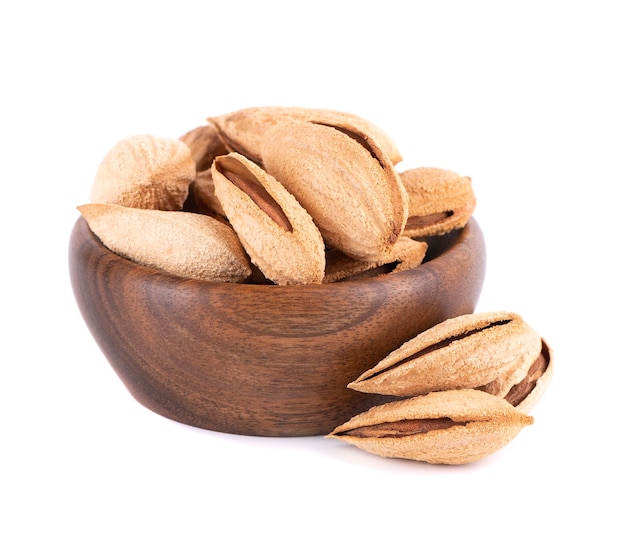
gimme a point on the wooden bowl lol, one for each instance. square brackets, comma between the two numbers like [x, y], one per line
[263, 359]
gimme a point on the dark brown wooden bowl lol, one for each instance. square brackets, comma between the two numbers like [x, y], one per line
[262, 359]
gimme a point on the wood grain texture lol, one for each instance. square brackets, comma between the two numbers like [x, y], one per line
[262, 359]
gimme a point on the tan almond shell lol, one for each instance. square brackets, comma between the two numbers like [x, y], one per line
[356, 200]
[406, 253]
[542, 384]
[510, 376]
[491, 423]
[145, 171]
[465, 363]
[205, 144]
[245, 129]
[284, 257]
[183, 244]
[433, 191]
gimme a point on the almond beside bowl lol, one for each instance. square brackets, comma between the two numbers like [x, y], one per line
[263, 360]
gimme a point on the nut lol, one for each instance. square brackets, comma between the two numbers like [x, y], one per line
[183, 244]
[145, 172]
[465, 352]
[439, 201]
[525, 394]
[278, 234]
[446, 427]
[345, 182]
[406, 253]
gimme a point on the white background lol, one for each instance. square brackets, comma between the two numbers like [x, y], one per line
[527, 98]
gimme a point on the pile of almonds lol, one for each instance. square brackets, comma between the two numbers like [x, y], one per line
[281, 195]
[293, 196]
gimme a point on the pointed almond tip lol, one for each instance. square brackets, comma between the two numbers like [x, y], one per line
[520, 418]
[335, 433]
[361, 386]
[87, 210]
[93, 209]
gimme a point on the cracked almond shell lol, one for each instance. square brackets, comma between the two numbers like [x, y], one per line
[276, 231]
[439, 201]
[464, 352]
[446, 427]
[525, 394]
[348, 186]
[405, 254]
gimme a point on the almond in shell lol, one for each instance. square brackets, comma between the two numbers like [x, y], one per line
[276, 231]
[183, 244]
[145, 172]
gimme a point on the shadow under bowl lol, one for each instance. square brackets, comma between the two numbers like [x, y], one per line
[263, 360]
